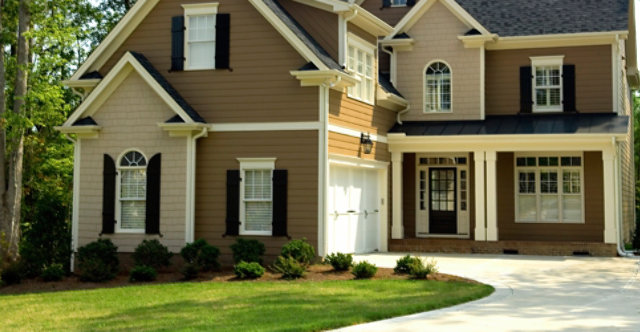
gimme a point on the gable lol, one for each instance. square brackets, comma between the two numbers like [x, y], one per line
[321, 25]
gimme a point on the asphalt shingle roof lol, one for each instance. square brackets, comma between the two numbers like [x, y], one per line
[540, 17]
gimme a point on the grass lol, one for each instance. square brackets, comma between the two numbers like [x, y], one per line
[231, 306]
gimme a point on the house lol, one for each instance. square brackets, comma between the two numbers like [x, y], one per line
[436, 125]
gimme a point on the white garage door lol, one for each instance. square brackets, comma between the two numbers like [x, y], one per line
[353, 210]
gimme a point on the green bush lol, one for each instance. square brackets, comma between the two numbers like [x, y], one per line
[364, 270]
[12, 274]
[340, 261]
[300, 250]
[403, 265]
[247, 250]
[152, 253]
[53, 272]
[251, 270]
[201, 254]
[289, 267]
[421, 269]
[143, 273]
[190, 271]
[98, 261]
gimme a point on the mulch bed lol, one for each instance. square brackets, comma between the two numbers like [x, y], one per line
[314, 273]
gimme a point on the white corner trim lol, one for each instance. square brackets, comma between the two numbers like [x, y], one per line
[76, 198]
[263, 126]
[356, 133]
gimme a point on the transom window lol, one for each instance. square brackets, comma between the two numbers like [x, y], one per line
[200, 35]
[549, 189]
[437, 88]
[132, 191]
[547, 83]
[256, 196]
[361, 63]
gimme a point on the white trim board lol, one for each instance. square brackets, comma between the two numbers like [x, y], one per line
[263, 126]
[355, 133]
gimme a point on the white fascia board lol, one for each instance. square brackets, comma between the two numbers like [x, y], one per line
[360, 16]
[336, 79]
[390, 101]
[78, 129]
[355, 133]
[557, 40]
[116, 37]
[85, 83]
[326, 5]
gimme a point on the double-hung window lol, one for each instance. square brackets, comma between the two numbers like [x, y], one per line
[360, 62]
[549, 188]
[200, 35]
[547, 83]
[256, 195]
[132, 192]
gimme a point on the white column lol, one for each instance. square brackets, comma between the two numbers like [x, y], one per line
[397, 230]
[492, 197]
[480, 234]
[608, 170]
[76, 201]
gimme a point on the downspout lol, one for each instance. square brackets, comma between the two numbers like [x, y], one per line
[404, 111]
[622, 252]
[74, 206]
[192, 184]
[392, 65]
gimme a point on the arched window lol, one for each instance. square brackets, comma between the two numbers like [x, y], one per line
[437, 88]
[132, 192]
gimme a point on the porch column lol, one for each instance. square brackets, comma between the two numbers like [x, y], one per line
[608, 170]
[480, 232]
[492, 197]
[397, 231]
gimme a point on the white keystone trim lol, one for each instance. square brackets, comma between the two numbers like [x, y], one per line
[356, 133]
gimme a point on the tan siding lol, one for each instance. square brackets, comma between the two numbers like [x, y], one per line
[590, 231]
[258, 89]
[391, 15]
[352, 28]
[320, 24]
[129, 120]
[436, 38]
[296, 151]
[350, 146]
[593, 77]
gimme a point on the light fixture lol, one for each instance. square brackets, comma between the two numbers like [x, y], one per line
[366, 142]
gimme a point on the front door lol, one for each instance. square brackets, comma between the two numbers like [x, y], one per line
[442, 200]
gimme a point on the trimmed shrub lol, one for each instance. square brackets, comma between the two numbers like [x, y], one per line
[340, 261]
[201, 254]
[12, 274]
[143, 273]
[152, 253]
[247, 250]
[403, 265]
[421, 269]
[98, 261]
[289, 267]
[190, 271]
[251, 270]
[53, 272]
[300, 250]
[364, 270]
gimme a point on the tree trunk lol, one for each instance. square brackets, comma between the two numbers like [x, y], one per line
[14, 191]
[5, 228]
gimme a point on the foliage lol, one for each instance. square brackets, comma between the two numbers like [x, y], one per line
[420, 269]
[141, 273]
[403, 264]
[289, 267]
[202, 254]
[340, 261]
[364, 270]
[12, 274]
[251, 270]
[152, 253]
[247, 250]
[98, 261]
[190, 271]
[300, 250]
[53, 272]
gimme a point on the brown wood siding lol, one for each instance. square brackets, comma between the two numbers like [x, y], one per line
[409, 195]
[350, 146]
[320, 24]
[356, 30]
[391, 15]
[296, 151]
[258, 89]
[593, 77]
[590, 231]
[350, 113]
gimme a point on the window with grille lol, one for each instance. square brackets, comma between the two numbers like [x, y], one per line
[256, 196]
[437, 88]
[360, 61]
[547, 83]
[200, 36]
[133, 191]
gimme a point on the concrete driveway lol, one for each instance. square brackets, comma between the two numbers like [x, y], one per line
[533, 293]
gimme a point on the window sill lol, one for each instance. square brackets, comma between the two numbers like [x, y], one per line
[199, 69]
[438, 112]
[545, 110]
[129, 231]
[550, 222]
[256, 233]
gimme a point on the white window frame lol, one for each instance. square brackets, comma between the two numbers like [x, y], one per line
[118, 211]
[398, 3]
[369, 50]
[424, 89]
[200, 9]
[538, 194]
[546, 61]
[253, 164]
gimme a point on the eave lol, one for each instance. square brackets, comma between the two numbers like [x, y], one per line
[335, 79]
[390, 101]
[358, 15]
[477, 41]
[182, 129]
[402, 44]
[83, 131]
[557, 40]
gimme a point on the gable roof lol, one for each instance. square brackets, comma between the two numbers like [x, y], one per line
[543, 17]
[132, 61]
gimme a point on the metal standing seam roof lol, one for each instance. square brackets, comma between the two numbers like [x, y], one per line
[531, 124]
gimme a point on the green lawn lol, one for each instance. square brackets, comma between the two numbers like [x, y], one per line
[231, 306]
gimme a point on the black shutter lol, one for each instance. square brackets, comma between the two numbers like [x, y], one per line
[569, 88]
[233, 202]
[152, 211]
[386, 3]
[108, 195]
[411, 3]
[279, 202]
[223, 25]
[177, 43]
[526, 101]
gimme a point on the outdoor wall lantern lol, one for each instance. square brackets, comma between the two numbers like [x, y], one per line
[366, 142]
